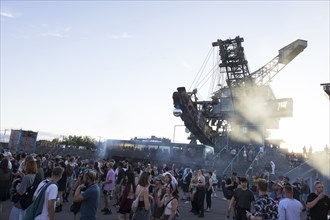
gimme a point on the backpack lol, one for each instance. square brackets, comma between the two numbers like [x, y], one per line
[26, 199]
[36, 207]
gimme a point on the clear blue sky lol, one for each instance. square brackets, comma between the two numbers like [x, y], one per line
[108, 69]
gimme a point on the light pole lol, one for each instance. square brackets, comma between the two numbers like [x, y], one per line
[174, 131]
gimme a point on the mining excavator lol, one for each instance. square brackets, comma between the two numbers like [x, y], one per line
[243, 106]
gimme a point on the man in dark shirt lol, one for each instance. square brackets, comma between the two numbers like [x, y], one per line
[318, 203]
[243, 198]
[120, 178]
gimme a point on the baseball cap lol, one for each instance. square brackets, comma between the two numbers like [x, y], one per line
[278, 182]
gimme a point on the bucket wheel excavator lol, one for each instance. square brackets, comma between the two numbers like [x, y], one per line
[244, 107]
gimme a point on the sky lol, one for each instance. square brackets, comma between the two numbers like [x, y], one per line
[107, 69]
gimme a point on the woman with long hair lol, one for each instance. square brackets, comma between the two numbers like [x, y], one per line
[49, 169]
[158, 194]
[17, 213]
[127, 198]
[143, 210]
[170, 201]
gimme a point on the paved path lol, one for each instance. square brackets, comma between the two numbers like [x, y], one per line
[218, 211]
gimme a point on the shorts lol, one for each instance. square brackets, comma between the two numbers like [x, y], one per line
[107, 192]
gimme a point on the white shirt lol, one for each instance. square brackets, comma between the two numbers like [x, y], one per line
[50, 194]
[10, 165]
[289, 209]
[168, 208]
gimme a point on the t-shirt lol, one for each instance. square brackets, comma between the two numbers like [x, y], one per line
[50, 194]
[110, 176]
[266, 208]
[243, 198]
[320, 210]
[289, 209]
[90, 203]
[121, 175]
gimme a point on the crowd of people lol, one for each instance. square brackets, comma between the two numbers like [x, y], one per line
[145, 191]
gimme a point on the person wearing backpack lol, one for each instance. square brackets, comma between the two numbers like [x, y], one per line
[17, 212]
[47, 212]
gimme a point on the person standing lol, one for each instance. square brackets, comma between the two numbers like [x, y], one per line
[170, 202]
[7, 155]
[289, 208]
[158, 194]
[200, 193]
[69, 170]
[209, 190]
[108, 188]
[265, 207]
[17, 212]
[143, 209]
[5, 182]
[272, 165]
[48, 208]
[230, 186]
[89, 198]
[61, 188]
[120, 179]
[277, 194]
[125, 204]
[186, 179]
[318, 203]
[214, 183]
[243, 198]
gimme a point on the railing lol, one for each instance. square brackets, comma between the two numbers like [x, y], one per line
[311, 172]
[299, 170]
[255, 160]
[230, 165]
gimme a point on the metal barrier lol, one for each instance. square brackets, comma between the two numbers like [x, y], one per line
[230, 165]
[257, 158]
[312, 170]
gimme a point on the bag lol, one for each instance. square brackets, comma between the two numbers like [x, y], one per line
[75, 207]
[135, 203]
[36, 207]
[15, 197]
[26, 199]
